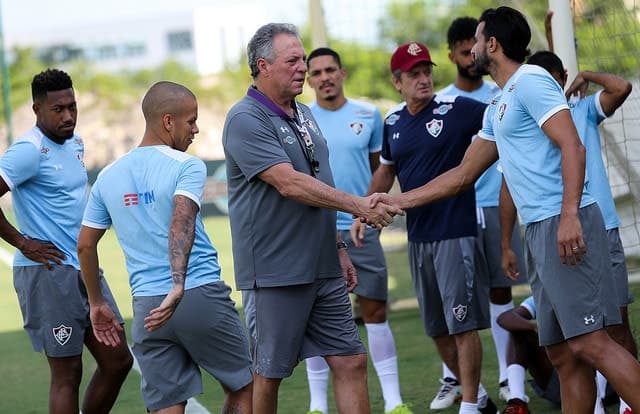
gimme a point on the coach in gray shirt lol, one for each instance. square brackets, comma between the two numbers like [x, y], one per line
[282, 210]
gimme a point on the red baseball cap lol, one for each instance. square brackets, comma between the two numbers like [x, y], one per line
[408, 55]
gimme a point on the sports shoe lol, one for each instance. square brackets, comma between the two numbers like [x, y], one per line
[488, 407]
[504, 394]
[401, 409]
[628, 411]
[447, 395]
[516, 406]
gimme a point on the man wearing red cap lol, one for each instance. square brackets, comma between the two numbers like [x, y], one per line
[422, 139]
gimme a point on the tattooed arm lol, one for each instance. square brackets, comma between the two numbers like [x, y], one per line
[181, 236]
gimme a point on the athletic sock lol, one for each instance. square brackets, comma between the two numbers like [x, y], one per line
[382, 349]
[318, 377]
[483, 396]
[516, 375]
[500, 337]
[447, 373]
[601, 385]
[468, 408]
[623, 406]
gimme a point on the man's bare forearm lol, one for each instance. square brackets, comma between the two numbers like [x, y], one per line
[181, 237]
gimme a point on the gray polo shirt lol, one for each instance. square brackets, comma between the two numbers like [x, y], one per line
[276, 241]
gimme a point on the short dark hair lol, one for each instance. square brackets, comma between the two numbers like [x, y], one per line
[547, 60]
[510, 28]
[324, 51]
[49, 80]
[462, 28]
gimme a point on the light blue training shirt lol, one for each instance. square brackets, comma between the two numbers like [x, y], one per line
[587, 115]
[488, 185]
[135, 195]
[48, 183]
[352, 133]
[531, 163]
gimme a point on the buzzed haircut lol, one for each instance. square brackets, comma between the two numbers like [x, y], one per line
[461, 29]
[50, 80]
[261, 44]
[510, 28]
[547, 60]
[324, 51]
[164, 97]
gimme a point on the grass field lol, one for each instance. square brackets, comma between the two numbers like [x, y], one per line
[24, 374]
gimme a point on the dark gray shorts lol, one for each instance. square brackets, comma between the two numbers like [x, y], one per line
[300, 321]
[619, 268]
[571, 300]
[551, 392]
[452, 297]
[55, 307]
[370, 264]
[205, 331]
[491, 252]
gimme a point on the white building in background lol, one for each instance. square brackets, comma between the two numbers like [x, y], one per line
[207, 39]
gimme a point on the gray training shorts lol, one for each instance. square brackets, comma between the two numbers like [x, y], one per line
[571, 300]
[453, 298]
[619, 268]
[205, 331]
[296, 322]
[490, 249]
[55, 307]
[370, 265]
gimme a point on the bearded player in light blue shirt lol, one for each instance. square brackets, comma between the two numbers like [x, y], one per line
[587, 113]
[470, 83]
[353, 130]
[151, 196]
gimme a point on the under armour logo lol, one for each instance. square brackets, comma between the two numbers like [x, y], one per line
[414, 49]
[284, 129]
[396, 135]
[588, 320]
[62, 334]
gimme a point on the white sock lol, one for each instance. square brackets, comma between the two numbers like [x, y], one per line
[447, 373]
[382, 350]
[482, 396]
[599, 407]
[516, 375]
[318, 377]
[468, 408]
[601, 385]
[623, 406]
[500, 337]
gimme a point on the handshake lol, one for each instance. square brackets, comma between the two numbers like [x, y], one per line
[378, 209]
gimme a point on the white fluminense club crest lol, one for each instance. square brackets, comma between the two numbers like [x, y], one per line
[460, 312]
[414, 49]
[62, 334]
[434, 127]
[356, 127]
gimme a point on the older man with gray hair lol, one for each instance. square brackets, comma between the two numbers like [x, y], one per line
[282, 204]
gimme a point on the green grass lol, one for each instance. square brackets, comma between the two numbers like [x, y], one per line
[25, 375]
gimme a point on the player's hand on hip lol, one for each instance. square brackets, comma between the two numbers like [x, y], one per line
[160, 315]
[41, 251]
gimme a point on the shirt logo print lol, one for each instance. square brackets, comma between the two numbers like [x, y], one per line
[133, 199]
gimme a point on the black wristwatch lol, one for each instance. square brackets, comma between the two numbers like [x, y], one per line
[341, 245]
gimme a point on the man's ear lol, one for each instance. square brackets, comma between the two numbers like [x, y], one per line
[262, 66]
[167, 122]
[36, 108]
